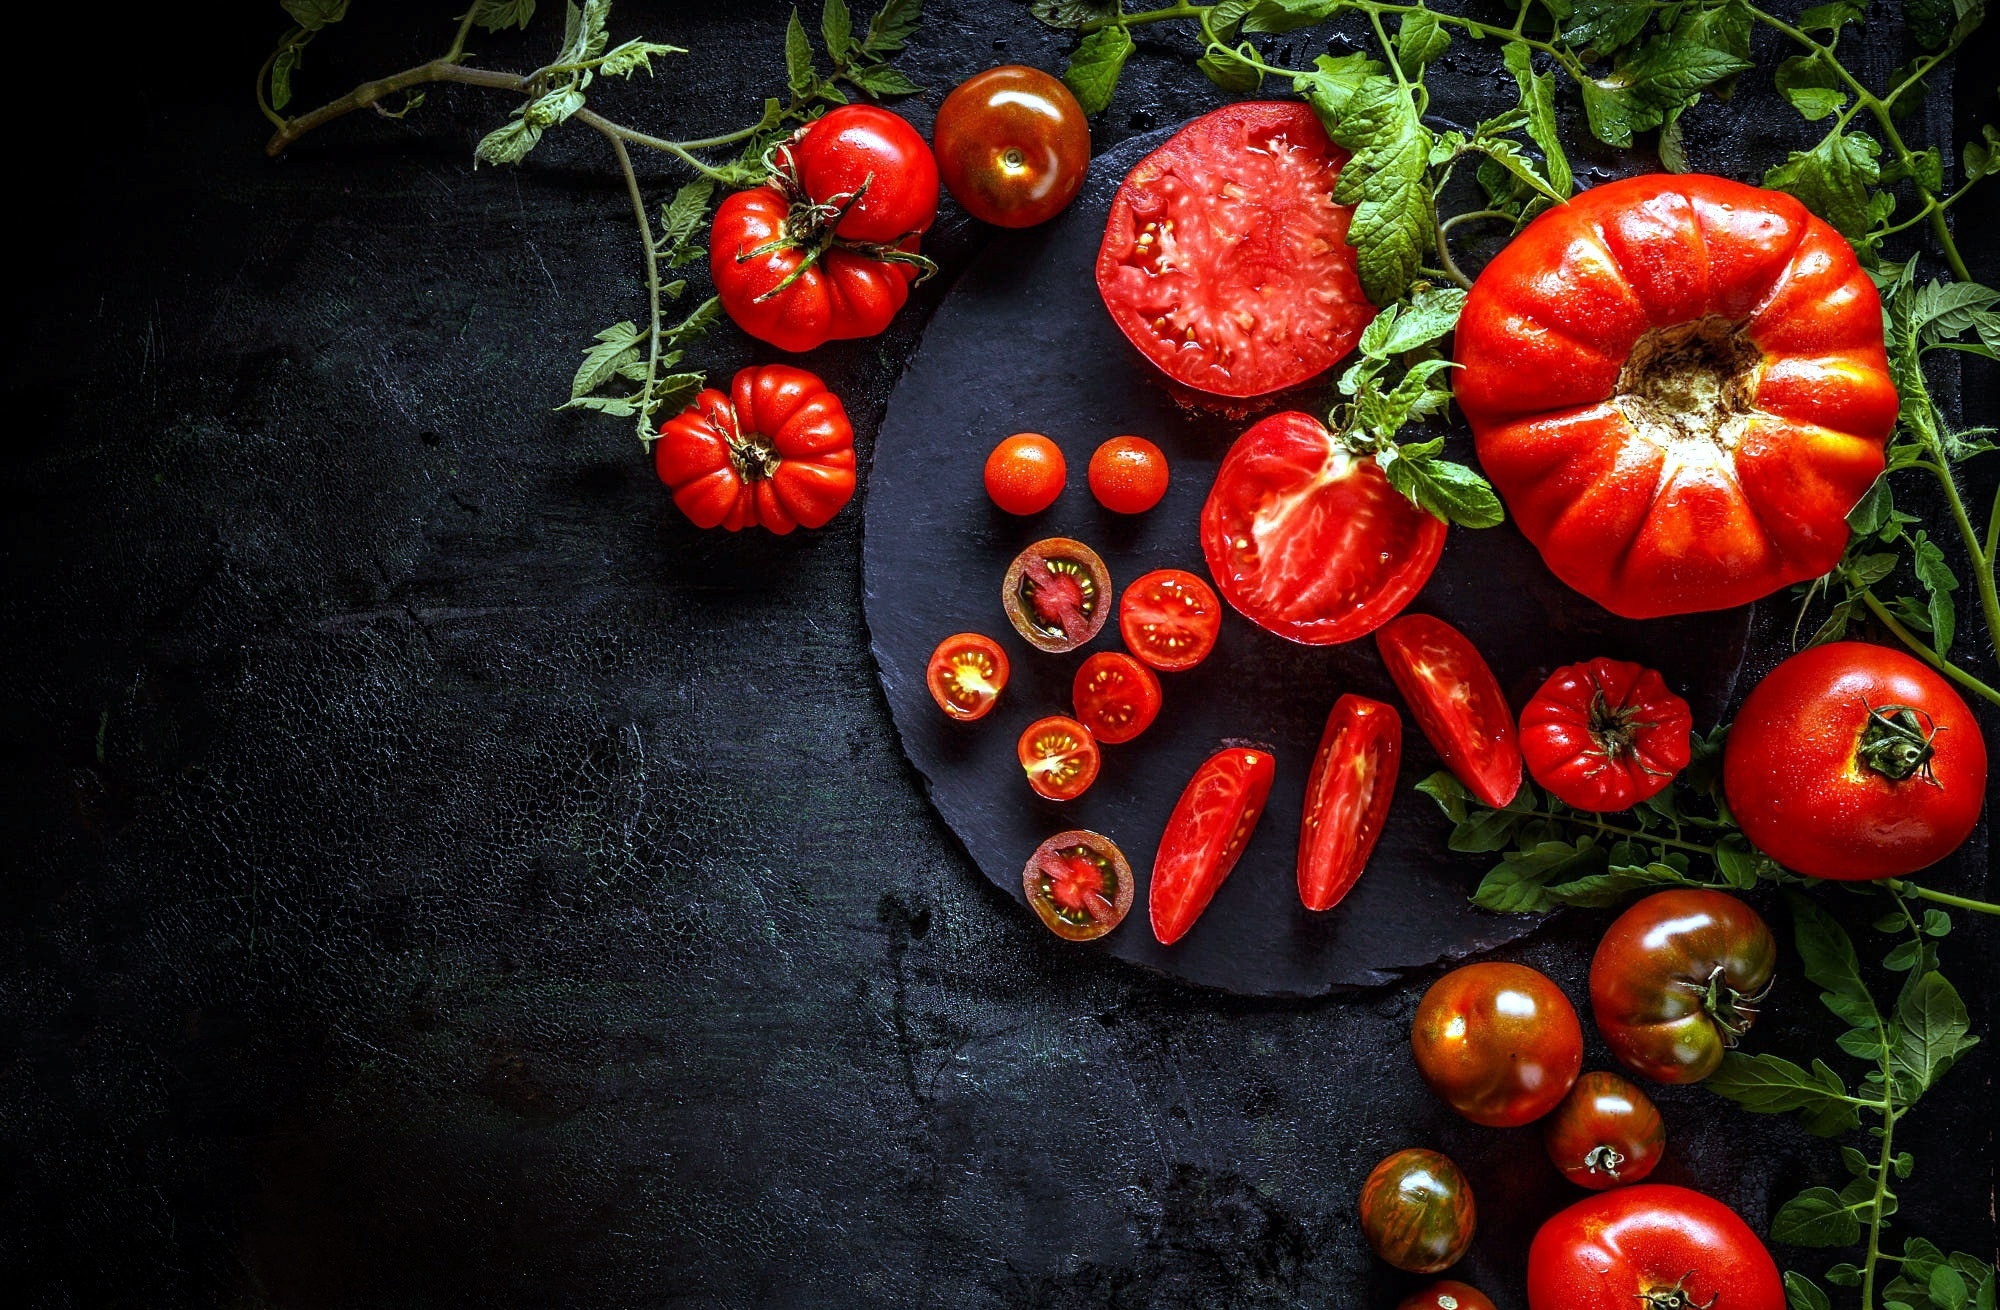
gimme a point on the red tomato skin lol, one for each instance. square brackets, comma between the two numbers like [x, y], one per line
[1015, 109]
[1655, 969]
[1446, 1294]
[1608, 1251]
[1497, 1042]
[1348, 794]
[843, 296]
[1205, 836]
[1141, 687]
[1278, 533]
[1544, 342]
[1605, 1134]
[714, 454]
[853, 145]
[1025, 473]
[1128, 475]
[1564, 740]
[1798, 788]
[1458, 704]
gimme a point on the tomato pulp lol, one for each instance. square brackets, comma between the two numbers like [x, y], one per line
[1458, 704]
[1348, 795]
[1170, 619]
[1650, 1247]
[1205, 836]
[966, 674]
[1116, 697]
[1079, 884]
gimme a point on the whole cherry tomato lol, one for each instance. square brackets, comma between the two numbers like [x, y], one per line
[1128, 475]
[1605, 1134]
[1650, 1247]
[1446, 1294]
[777, 452]
[1677, 384]
[1605, 735]
[1059, 756]
[966, 675]
[1205, 836]
[1677, 979]
[1170, 619]
[1025, 473]
[1417, 1211]
[1116, 697]
[1348, 795]
[1012, 145]
[826, 249]
[1855, 761]
[1458, 704]
[1079, 883]
[1498, 1042]
[1057, 593]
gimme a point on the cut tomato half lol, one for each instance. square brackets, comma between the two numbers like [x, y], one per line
[1059, 756]
[1205, 836]
[1458, 704]
[1347, 797]
[1116, 697]
[1170, 619]
[1080, 883]
[966, 675]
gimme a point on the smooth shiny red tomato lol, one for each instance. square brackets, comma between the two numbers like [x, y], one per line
[1170, 619]
[966, 675]
[1012, 145]
[1080, 883]
[1348, 794]
[1650, 1247]
[1606, 1133]
[1677, 384]
[1308, 540]
[776, 452]
[1128, 475]
[1116, 697]
[1225, 260]
[1417, 1211]
[1057, 594]
[1446, 1294]
[1498, 1042]
[1458, 704]
[1025, 473]
[1855, 761]
[1677, 979]
[1605, 735]
[1059, 756]
[1205, 836]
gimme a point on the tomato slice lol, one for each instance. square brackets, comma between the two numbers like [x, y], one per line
[1170, 619]
[1347, 797]
[1080, 883]
[1310, 541]
[1057, 594]
[1458, 704]
[1206, 834]
[1225, 260]
[966, 674]
[1059, 756]
[1117, 697]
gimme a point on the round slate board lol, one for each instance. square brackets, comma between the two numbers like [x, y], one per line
[1022, 343]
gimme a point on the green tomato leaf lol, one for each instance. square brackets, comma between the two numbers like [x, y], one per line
[1932, 1030]
[1515, 160]
[1770, 1084]
[552, 109]
[1982, 157]
[616, 346]
[1424, 318]
[1638, 94]
[1802, 1293]
[629, 58]
[1333, 82]
[1602, 26]
[1274, 16]
[498, 15]
[1447, 490]
[1386, 182]
[1420, 38]
[836, 29]
[799, 74]
[1833, 179]
[1928, 561]
[507, 145]
[282, 67]
[613, 406]
[1093, 70]
[1812, 83]
[882, 82]
[1830, 962]
[1538, 101]
[1230, 69]
[1819, 1216]
[896, 19]
[1448, 792]
[1830, 18]
[312, 15]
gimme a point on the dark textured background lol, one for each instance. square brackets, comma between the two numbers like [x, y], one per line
[437, 875]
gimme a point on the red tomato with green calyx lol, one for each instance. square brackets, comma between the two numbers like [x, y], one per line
[1678, 979]
[1348, 794]
[776, 452]
[1605, 735]
[1678, 385]
[1012, 145]
[1170, 619]
[1205, 836]
[1458, 704]
[1855, 761]
[1417, 1211]
[1308, 539]
[1497, 1042]
[1605, 1134]
[966, 675]
[1079, 884]
[1225, 259]
[1116, 697]
[1650, 1247]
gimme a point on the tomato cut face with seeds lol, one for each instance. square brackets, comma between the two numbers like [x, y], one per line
[1059, 756]
[1080, 884]
[1116, 697]
[1211, 824]
[1057, 593]
[966, 674]
[1225, 260]
[1348, 794]
[1170, 619]
[1458, 704]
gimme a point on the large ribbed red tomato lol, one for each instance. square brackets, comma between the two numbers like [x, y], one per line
[1678, 385]
[777, 452]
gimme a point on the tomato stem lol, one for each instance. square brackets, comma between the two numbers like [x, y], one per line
[1903, 887]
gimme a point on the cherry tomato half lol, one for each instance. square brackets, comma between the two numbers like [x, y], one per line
[1057, 594]
[1079, 883]
[1210, 826]
[1605, 1134]
[1059, 756]
[1677, 979]
[1128, 475]
[1498, 1042]
[1116, 697]
[1417, 1211]
[966, 675]
[1446, 1294]
[1605, 734]
[1012, 145]
[1170, 619]
[1650, 1247]
[1025, 473]
[1347, 797]
[1458, 704]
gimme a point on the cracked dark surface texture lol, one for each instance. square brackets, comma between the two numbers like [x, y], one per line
[437, 875]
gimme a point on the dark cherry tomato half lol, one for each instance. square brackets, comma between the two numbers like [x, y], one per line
[1057, 594]
[1497, 1042]
[1446, 1294]
[1458, 704]
[1128, 475]
[1170, 619]
[1605, 1134]
[1025, 473]
[1116, 697]
[1079, 883]
[1417, 1211]
[1059, 756]
[1012, 145]
[1205, 836]
[1347, 797]
[966, 675]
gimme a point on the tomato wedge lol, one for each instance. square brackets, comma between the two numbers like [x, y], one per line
[966, 675]
[1210, 826]
[1347, 797]
[1116, 697]
[1170, 618]
[1458, 704]
[1080, 884]
[1310, 541]
[1059, 756]
[1225, 260]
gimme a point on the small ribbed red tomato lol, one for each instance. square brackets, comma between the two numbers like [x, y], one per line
[777, 452]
